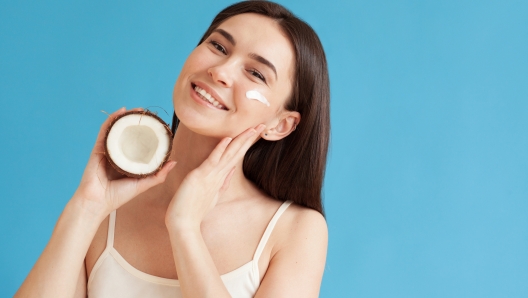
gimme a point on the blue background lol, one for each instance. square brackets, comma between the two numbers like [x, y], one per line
[426, 189]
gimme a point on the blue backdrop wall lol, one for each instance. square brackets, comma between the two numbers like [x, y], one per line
[426, 189]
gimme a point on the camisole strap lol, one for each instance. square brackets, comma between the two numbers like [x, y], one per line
[111, 229]
[269, 229]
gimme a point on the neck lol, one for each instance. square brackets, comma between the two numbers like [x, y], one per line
[190, 150]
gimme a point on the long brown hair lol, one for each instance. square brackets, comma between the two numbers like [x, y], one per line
[292, 168]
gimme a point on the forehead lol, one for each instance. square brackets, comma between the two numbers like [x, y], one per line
[262, 35]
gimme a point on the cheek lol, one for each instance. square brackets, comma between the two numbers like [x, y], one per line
[200, 59]
[195, 63]
[254, 112]
[259, 97]
[192, 64]
[258, 101]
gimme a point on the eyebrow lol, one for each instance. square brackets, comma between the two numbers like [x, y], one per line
[264, 61]
[227, 36]
[254, 56]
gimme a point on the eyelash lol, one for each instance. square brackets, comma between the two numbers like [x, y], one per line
[217, 46]
[253, 71]
[257, 74]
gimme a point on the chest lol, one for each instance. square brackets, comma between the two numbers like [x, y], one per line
[142, 239]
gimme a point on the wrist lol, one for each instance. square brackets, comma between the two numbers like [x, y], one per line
[180, 226]
[77, 226]
[93, 200]
[182, 236]
[85, 210]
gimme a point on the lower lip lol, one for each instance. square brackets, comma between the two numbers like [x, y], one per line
[201, 101]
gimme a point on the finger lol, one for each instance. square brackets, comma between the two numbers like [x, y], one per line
[99, 143]
[249, 142]
[227, 181]
[150, 181]
[218, 151]
[241, 143]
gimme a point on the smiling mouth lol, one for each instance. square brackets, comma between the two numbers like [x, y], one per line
[207, 97]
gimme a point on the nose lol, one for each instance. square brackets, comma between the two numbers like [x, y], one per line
[221, 74]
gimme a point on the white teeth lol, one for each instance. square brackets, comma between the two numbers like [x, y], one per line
[208, 97]
[203, 93]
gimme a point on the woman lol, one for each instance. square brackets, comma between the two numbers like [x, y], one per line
[219, 223]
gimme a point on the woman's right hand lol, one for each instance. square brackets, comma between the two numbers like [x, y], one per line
[102, 189]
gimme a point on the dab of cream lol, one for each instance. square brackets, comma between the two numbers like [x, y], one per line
[257, 96]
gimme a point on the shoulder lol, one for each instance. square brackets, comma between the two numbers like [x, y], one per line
[298, 256]
[302, 226]
[306, 218]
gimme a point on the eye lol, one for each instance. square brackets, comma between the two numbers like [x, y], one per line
[257, 74]
[218, 46]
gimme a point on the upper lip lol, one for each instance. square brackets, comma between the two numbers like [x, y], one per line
[210, 91]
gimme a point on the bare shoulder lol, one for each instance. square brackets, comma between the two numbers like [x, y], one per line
[299, 255]
[308, 218]
[302, 224]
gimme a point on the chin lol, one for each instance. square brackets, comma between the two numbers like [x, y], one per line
[198, 123]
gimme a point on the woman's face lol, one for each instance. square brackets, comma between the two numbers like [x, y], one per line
[248, 52]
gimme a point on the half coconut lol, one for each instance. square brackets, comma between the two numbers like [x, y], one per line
[138, 143]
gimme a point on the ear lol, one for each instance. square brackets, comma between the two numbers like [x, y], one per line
[287, 123]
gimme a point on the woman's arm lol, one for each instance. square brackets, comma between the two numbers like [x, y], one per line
[81, 289]
[56, 272]
[197, 272]
[296, 268]
[197, 195]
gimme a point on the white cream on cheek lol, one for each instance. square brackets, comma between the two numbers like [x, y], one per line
[253, 94]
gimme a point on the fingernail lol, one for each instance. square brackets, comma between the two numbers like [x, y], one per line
[228, 140]
[261, 127]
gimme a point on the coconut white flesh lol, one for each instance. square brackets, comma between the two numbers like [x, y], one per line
[138, 143]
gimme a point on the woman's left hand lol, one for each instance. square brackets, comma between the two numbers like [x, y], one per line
[201, 188]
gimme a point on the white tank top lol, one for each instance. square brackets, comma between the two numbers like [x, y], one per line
[112, 276]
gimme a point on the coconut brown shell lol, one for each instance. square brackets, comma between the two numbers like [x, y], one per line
[165, 158]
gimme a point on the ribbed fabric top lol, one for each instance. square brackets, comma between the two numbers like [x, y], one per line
[112, 276]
